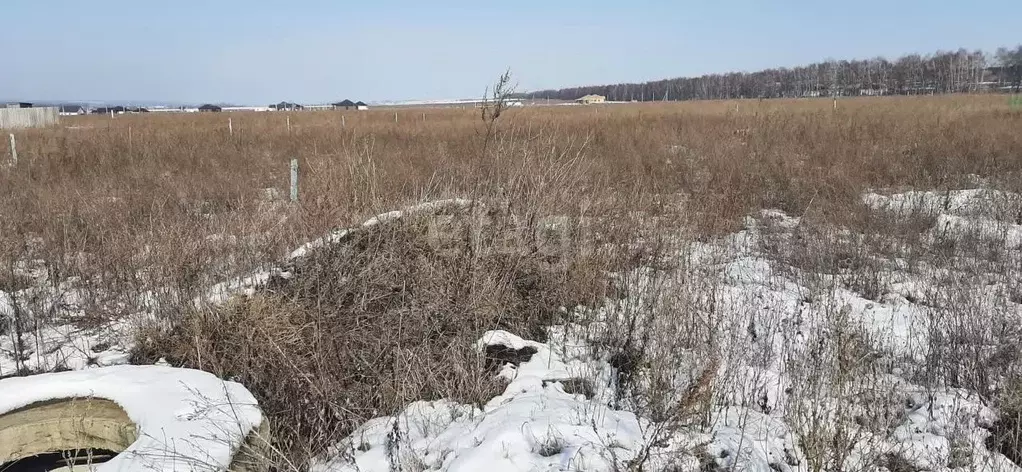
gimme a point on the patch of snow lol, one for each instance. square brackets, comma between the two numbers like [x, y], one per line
[53, 335]
[6, 308]
[968, 202]
[247, 286]
[534, 425]
[748, 440]
[244, 286]
[958, 227]
[946, 430]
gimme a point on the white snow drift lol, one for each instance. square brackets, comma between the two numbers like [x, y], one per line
[186, 420]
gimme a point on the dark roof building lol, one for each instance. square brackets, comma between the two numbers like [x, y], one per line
[286, 106]
[71, 109]
[346, 104]
[107, 110]
[210, 108]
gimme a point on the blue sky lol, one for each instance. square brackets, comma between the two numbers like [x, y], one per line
[256, 51]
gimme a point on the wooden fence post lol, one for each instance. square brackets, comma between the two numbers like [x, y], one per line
[14, 151]
[230, 126]
[294, 180]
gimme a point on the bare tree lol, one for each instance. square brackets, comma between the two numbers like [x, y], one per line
[958, 71]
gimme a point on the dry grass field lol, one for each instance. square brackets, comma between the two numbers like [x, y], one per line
[138, 215]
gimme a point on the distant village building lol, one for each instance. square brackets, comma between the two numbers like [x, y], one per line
[286, 106]
[117, 110]
[591, 99]
[348, 105]
[345, 104]
[165, 109]
[16, 105]
[71, 110]
[210, 108]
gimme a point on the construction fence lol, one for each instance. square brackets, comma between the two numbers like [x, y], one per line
[28, 117]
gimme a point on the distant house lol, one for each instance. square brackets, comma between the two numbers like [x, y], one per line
[70, 110]
[591, 99]
[345, 104]
[286, 106]
[16, 105]
[210, 108]
[361, 106]
[118, 110]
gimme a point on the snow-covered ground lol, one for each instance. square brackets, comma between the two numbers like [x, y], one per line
[57, 332]
[754, 358]
[779, 388]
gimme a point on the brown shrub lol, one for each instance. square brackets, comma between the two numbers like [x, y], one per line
[385, 318]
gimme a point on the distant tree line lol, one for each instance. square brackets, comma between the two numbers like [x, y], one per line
[943, 72]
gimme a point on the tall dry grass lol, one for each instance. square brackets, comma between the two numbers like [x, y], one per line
[146, 211]
[109, 188]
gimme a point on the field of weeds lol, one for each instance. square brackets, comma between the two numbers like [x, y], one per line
[741, 285]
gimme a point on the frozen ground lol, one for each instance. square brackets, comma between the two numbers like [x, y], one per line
[57, 332]
[812, 374]
[813, 351]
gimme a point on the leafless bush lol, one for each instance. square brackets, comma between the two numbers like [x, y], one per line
[839, 403]
[1006, 436]
[385, 318]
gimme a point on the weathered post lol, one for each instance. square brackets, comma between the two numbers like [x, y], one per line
[294, 180]
[14, 151]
